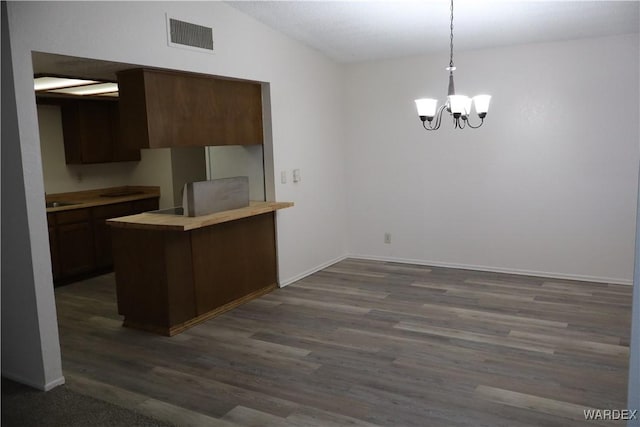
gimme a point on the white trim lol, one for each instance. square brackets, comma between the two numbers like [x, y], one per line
[53, 384]
[583, 278]
[311, 271]
[38, 386]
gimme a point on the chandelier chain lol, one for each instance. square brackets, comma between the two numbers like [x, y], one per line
[451, 38]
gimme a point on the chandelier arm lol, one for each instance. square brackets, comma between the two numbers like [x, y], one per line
[424, 125]
[475, 127]
[436, 125]
[439, 116]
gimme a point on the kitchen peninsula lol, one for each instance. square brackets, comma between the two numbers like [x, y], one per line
[174, 271]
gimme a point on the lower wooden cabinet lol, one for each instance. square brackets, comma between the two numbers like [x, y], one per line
[53, 245]
[80, 239]
[170, 280]
[101, 232]
[75, 248]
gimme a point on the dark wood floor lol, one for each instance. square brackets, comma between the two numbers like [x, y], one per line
[365, 343]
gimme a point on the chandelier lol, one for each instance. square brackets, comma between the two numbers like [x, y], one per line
[458, 106]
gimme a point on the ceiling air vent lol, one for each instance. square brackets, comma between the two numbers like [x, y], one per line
[189, 36]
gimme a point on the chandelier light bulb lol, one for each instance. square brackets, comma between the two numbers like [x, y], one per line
[458, 103]
[427, 107]
[482, 103]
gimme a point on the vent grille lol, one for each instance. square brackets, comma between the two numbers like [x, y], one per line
[188, 34]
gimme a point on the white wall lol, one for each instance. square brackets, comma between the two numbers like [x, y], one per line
[305, 97]
[229, 161]
[30, 347]
[188, 164]
[154, 168]
[633, 395]
[547, 186]
[634, 346]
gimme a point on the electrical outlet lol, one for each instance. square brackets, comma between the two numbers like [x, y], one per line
[283, 177]
[387, 238]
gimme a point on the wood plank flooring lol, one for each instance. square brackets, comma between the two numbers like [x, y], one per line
[365, 343]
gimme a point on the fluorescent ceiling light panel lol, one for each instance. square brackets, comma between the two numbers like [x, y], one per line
[95, 89]
[48, 83]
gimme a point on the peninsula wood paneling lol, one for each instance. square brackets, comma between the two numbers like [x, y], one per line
[170, 280]
[232, 260]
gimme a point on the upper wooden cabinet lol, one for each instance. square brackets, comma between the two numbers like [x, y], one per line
[91, 132]
[175, 109]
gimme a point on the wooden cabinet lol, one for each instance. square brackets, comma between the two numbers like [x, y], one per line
[75, 242]
[92, 133]
[170, 280]
[174, 109]
[102, 232]
[121, 152]
[80, 240]
[242, 252]
[53, 245]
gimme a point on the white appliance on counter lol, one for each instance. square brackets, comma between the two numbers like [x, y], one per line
[216, 195]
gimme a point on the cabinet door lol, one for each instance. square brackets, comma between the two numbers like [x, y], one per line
[232, 260]
[173, 109]
[53, 246]
[75, 244]
[87, 132]
[92, 133]
[121, 153]
[102, 232]
[145, 205]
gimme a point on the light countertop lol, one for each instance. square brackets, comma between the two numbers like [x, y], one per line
[102, 196]
[169, 222]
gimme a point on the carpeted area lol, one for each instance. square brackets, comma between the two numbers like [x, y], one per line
[23, 406]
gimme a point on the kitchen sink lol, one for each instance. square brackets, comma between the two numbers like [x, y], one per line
[59, 204]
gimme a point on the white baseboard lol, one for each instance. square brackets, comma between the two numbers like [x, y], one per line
[551, 275]
[309, 272]
[38, 386]
[53, 384]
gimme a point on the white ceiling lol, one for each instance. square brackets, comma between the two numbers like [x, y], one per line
[354, 31]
